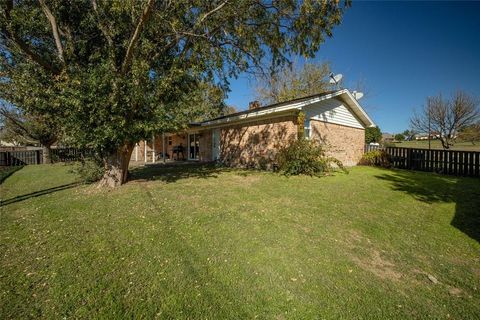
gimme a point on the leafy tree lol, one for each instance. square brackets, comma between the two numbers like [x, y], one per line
[470, 133]
[399, 137]
[29, 129]
[229, 110]
[115, 72]
[446, 116]
[294, 82]
[373, 134]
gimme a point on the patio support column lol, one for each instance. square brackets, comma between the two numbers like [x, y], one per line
[153, 148]
[163, 146]
[145, 149]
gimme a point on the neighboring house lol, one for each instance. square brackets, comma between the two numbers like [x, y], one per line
[252, 138]
[387, 137]
[434, 135]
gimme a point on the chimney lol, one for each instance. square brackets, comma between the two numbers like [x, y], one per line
[253, 105]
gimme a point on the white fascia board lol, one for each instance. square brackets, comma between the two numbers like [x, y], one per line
[357, 108]
[254, 114]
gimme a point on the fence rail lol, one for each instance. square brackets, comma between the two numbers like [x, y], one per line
[369, 147]
[460, 163]
[26, 157]
[69, 154]
[20, 158]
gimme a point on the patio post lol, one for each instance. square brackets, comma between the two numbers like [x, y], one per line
[153, 148]
[145, 149]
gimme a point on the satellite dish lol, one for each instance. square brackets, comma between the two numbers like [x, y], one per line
[357, 95]
[335, 79]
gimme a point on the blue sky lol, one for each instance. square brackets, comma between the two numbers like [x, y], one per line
[402, 52]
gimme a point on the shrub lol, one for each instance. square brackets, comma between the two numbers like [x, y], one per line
[306, 157]
[90, 170]
[377, 158]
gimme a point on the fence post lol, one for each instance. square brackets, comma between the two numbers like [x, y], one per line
[409, 158]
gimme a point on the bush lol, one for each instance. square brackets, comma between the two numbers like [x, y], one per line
[90, 170]
[306, 157]
[377, 158]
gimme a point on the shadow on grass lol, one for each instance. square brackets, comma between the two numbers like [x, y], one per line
[431, 188]
[37, 193]
[6, 172]
[173, 172]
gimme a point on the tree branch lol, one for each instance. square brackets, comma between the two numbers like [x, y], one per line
[136, 35]
[24, 47]
[56, 33]
[205, 16]
[103, 28]
[18, 127]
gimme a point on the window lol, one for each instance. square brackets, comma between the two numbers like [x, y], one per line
[307, 129]
[169, 139]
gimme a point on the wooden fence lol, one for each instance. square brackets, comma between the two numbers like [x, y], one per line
[20, 158]
[460, 163]
[69, 154]
[369, 147]
[25, 157]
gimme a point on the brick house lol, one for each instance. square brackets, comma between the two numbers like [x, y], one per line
[253, 137]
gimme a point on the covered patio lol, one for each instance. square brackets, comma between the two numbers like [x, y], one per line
[192, 145]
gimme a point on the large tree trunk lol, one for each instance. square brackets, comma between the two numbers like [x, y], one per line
[116, 167]
[46, 154]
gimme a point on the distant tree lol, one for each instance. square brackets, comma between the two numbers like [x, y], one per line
[294, 82]
[373, 134]
[27, 129]
[229, 110]
[446, 116]
[470, 133]
[119, 71]
[399, 137]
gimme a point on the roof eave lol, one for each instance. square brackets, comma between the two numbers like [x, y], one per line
[357, 108]
[298, 105]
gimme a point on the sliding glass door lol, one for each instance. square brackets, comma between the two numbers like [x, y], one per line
[193, 146]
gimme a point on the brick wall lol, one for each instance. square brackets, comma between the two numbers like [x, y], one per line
[255, 144]
[342, 142]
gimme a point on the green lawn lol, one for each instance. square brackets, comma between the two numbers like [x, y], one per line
[436, 144]
[206, 243]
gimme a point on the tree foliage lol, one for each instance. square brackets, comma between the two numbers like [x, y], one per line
[115, 72]
[399, 137]
[373, 134]
[445, 117]
[470, 133]
[294, 82]
[29, 128]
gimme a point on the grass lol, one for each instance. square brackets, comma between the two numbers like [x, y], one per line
[200, 242]
[436, 144]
